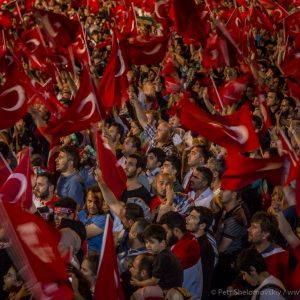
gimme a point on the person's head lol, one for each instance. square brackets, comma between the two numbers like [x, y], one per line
[64, 208]
[94, 201]
[217, 166]
[163, 132]
[174, 121]
[263, 228]
[201, 178]
[250, 264]
[116, 132]
[134, 166]
[198, 156]
[89, 267]
[171, 166]
[11, 280]
[278, 198]
[4, 149]
[228, 196]
[132, 144]
[174, 225]
[137, 229]
[152, 117]
[155, 158]
[287, 104]
[272, 99]
[155, 238]
[44, 186]
[199, 219]
[68, 159]
[135, 128]
[141, 268]
[130, 213]
[161, 182]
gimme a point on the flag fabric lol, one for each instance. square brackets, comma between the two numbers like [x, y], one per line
[108, 285]
[59, 29]
[34, 252]
[292, 26]
[113, 174]
[215, 54]
[5, 170]
[80, 48]
[83, 111]
[289, 65]
[17, 187]
[112, 87]
[235, 132]
[150, 51]
[241, 171]
[293, 88]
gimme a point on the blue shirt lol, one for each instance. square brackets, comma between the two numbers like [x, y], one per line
[71, 186]
[95, 242]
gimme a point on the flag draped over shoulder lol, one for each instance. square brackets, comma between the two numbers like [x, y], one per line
[108, 285]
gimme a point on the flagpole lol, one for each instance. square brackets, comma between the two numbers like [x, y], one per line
[218, 95]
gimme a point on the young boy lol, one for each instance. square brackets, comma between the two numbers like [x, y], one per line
[167, 271]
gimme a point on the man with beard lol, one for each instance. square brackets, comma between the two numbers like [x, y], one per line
[133, 168]
[70, 183]
[186, 248]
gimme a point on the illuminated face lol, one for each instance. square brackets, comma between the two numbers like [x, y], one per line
[62, 163]
[91, 204]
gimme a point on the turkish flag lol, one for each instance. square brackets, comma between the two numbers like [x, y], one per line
[289, 65]
[234, 132]
[215, 54]
[60, 29]
[242, 171]
[112, 87]
[6, 20]
[260, 19]
[17, 187]
[94, 6]
[80, 49]
[293, 88]
[292, 25]
[113, 174]
[278, 13]
[29, 5]
[3, 48]
[81, 114]
[34, 252]
[13, 100]
[234, 25]
[150, 51]
[5, 170]
[108, 285]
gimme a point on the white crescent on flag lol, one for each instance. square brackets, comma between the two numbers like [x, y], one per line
[241, 133]
[154, 50]
[23, 181]
[156, 8]
[49, 27]
[34, 42]
[122, 68]
[89, 99]
[21, 97]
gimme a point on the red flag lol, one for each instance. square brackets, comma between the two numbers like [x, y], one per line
[82, 112]
[215, 54]
[80, 47]
[113, 84]
[241, 171]
[292, 26]
[108, 285]
[34, 252]
[5, 170]
[260, 19]
[113, 174]
[279, 13]
[59, 28]
[6, 20]
[17, 187]
[293, 88]
[290, 64]
[94, 6]
[264, 111]
[234, 132]
[150, 51]
[13, 102]
[29, 5]
[3, 47]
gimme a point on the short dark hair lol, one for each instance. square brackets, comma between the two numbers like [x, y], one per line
[136, 142]
[207, 173]
[206, 215]
[120, 129]
[141, 226]
[140, 160]
[268, 223]
[146, 263]
[158, 153]
[175, 161]
[4, 149]
[204, 152]
[49, 176]
[155, 231]
[72, 153]
[133, 212]
[251, 258]
[173, 220]
[66, 202]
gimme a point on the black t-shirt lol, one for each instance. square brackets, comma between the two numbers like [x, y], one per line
[167, 268]
[141, 192]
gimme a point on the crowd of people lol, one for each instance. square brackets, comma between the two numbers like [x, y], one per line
[178, 234]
